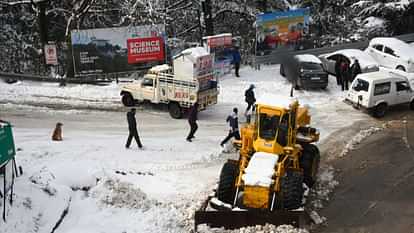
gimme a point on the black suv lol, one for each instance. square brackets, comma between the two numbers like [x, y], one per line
[304, 71]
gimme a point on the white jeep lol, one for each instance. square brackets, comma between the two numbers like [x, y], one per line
[376, 91]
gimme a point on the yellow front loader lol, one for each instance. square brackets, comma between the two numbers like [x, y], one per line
[277, 163]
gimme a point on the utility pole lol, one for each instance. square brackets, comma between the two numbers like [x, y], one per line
[43, 23]
[207, 16]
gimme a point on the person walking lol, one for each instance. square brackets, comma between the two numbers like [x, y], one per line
[132, 126]
[236, 61]
[249, 98]
[345, 73]
[192, 120]
[233, 121]
[355, 69]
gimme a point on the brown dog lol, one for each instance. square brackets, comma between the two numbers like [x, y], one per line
[57, 133]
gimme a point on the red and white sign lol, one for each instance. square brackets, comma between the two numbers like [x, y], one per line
[219, 41]
[145, 49]
[51, 54]
[203, 65]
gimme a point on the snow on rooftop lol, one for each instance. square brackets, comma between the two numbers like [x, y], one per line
[260, 170]
[159, 68]
[308, 58]
[195, 52]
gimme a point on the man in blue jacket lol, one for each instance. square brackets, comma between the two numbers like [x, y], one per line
[234, 127]
[236, 60]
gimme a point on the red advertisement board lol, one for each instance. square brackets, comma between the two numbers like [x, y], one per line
[145, 49]
[218, 41]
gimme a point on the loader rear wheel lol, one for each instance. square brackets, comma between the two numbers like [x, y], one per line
[310, 164]
[226, 189]
[292, 190]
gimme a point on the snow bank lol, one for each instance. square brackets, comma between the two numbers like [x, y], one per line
[260, 169]
[358, 138]
[323, 188]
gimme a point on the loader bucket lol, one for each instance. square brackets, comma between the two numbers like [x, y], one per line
[236, 219]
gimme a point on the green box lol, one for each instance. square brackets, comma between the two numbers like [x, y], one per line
[7, 149]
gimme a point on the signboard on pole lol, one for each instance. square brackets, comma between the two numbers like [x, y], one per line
[51, 54]
[281, 30]
[113, 50]
[145, 49]
[7, 149]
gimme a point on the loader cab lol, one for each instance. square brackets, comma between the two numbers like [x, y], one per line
[273, 129]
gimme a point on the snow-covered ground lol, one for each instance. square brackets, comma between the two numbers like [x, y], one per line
[106, 188]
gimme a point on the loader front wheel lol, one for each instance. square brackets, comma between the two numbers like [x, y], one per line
[292, 190]
[309, 162]
[226, 189]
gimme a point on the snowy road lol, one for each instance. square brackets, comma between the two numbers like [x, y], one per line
[152, 190]
[376, 183]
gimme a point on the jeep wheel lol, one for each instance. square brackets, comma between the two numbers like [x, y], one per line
[380, 110]
[127, 100]
[175, 110]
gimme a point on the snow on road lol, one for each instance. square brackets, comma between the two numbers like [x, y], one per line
[110, 189]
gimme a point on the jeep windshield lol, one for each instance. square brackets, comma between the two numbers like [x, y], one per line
[360, 85]
[311, 66]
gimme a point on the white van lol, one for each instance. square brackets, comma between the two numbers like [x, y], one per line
[376, 91]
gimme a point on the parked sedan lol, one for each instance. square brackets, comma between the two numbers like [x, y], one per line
[366, 62]
[304, 71]
[392, 53]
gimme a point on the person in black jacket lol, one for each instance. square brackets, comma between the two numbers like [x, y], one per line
[132, 126]
[338, 72]
[355, 69]
[234, 127]
[192, 120]
[249, 97]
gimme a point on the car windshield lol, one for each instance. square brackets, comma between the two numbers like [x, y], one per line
[360, 85]
[311, 66]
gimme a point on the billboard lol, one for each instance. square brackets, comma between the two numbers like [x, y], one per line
[113, 50]
[281, 30]
[145, 49]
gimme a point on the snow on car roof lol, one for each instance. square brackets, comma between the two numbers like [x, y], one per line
[364, 59]
[308, 58]
[383, 74]
[400, 47]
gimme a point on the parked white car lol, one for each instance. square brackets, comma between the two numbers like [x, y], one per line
[392, 53]
[366, 62]
[376, 91]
